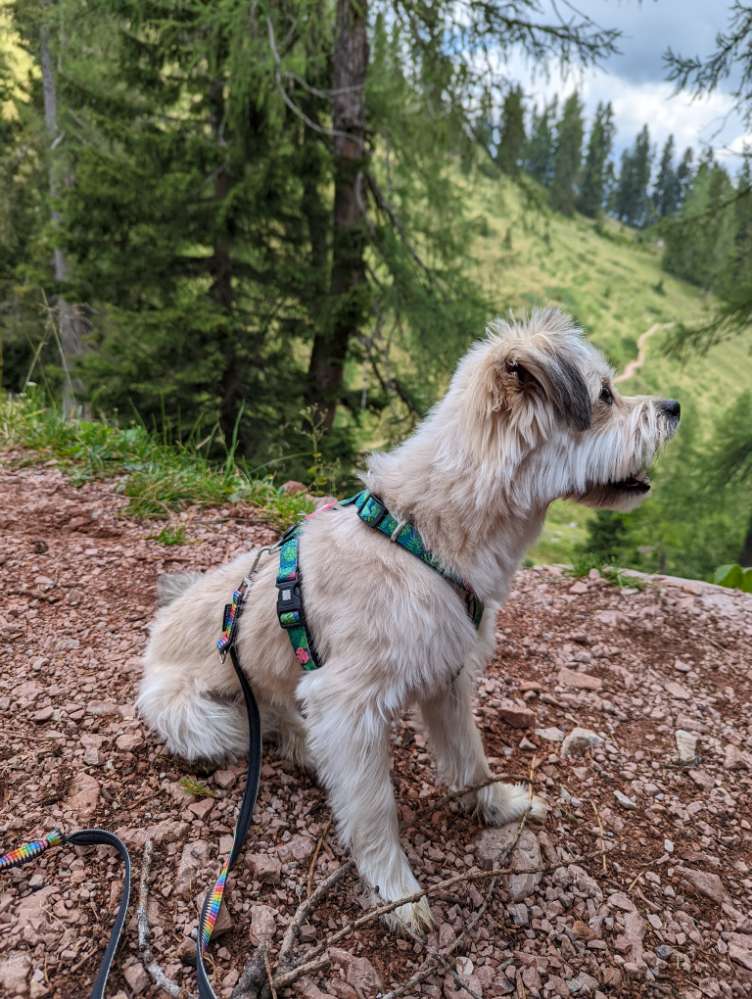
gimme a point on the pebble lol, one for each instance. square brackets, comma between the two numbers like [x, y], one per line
[492, 847]
[625, 801]
[704, 882]
[578, 741]
[267, 869]
[686, 745]
[551, 734]
[515, 715]
[580, 681]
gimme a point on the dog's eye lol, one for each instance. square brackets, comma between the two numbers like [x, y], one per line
[606, 395]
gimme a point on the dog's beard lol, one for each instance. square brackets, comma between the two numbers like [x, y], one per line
[630, 486]
[624, 495]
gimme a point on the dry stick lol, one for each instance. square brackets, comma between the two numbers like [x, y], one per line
[437, 962]
[317, 962]
[159, 977]
[603, 837]
[315, 857]
[268, 969]
[288, 941]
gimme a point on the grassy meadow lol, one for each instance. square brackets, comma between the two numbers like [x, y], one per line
[614, 287]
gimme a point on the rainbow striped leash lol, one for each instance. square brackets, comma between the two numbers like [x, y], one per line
[28, 851]
[83, 837]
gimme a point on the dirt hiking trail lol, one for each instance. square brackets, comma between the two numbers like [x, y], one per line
[660, 906]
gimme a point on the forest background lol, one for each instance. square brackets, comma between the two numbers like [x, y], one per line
[262, 234]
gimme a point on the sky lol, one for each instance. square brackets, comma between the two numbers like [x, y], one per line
[635, 80]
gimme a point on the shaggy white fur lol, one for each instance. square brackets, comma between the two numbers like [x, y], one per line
[529, 416]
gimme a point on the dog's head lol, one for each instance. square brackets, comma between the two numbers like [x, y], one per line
[538, 402]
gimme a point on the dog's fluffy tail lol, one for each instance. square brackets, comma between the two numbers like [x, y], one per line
[194, 722]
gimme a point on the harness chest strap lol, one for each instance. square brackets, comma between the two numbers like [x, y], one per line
[373, 512]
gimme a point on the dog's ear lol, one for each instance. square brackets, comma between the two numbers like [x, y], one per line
[552, 376]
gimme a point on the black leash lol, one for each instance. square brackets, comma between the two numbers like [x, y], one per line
[84, 837]
[101, 837]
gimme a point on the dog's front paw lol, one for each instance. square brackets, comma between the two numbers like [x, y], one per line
[501, 803]
[413, 918]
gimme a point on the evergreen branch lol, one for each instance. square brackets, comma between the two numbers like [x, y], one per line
[279, 73]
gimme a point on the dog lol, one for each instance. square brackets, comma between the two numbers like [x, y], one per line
[530, 416]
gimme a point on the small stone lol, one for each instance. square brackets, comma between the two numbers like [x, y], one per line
[681, 667]
[515, 715]
[705, 883]
[668, 845]
[734, 758]
[201, 808]
[525, 743]
[551, 734]
[678, 690]
[267, 869]
[225, 778]
[136, 976]
[193, 860]
[664, 952]
[291, 487]
[43, 715]
[580, 681]
[14, 972]
[129, 741]
[359, 972]
[621, 901]
[263, 924]
[492, 848]
[579, 740]
[624, 801]
[578, 587]
[686, 745]
[741, 955]
[582, 931]
[83, 795]
[520, 914]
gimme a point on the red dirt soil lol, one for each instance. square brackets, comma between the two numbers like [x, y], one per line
[666, 913]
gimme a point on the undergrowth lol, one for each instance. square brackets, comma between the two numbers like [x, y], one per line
[156, 477]
[583, 563]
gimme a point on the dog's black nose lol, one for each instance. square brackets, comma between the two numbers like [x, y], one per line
[671, 407]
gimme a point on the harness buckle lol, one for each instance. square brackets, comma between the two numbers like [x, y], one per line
[289, 603]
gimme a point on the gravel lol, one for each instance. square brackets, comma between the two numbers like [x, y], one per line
[658, 906]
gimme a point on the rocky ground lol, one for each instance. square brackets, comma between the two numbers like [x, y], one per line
[655, 794]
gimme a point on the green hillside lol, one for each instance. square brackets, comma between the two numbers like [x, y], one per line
[615, 288]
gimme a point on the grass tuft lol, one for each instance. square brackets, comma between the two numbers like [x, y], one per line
[157, 478]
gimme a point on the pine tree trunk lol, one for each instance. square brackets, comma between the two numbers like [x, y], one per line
[745, 557]
[220, 270]
[69, 320]
[348, 286]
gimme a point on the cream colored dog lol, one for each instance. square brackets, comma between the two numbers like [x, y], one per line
[530, 416]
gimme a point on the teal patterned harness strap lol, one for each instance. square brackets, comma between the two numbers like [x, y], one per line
[373, 512]
[290, 611]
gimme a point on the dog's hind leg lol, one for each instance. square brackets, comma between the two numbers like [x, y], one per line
[348, 738]
[457, 744]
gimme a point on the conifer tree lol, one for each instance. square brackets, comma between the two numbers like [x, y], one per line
[569, 135]
[631, 200]
[592, 195]
[540, 147]
[684, 175]
[512, 139]
[666, 193]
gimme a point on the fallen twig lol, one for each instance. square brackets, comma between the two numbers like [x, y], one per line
[288, 941]
[315, 960]
[158, 976]
[437, 961]
[603, 837]
[315, 857]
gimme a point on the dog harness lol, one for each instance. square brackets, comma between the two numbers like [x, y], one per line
[373, 512]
